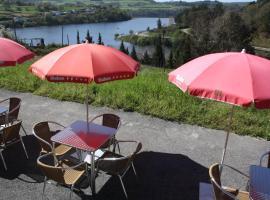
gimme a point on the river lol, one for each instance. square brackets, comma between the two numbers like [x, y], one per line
[53, 34]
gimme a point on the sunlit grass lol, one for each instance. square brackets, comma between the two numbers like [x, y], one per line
[149, 93]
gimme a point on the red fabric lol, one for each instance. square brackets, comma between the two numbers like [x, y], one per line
[85, 63]
[12, 53]
[235, 78]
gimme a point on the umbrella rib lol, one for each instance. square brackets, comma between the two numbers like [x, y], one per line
[251, 77]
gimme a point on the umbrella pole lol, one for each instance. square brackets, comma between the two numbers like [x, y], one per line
[86, 103]
[227, 135]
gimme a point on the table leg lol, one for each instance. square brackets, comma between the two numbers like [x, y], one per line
[93, 174]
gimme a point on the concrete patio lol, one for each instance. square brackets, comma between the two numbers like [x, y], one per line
[174, 159]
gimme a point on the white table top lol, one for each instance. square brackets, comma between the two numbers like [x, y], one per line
[259, 183]
[3, 110]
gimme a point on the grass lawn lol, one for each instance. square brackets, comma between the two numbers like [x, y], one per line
[150, 93]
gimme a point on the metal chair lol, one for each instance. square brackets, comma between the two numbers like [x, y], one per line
[117, 165]
[12, 113]
[10, 135]
[112, 121]
[222, 192]
[63, 172]
[268, 160]
[13, 110]
[43, 133]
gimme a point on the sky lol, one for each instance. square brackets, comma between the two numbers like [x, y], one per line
[219, 0]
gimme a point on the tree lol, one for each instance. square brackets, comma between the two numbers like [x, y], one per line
[159, 25]
[88, 37]
[100, 39]
[171, 62]
[159, 58]
[146, 58]
[78, 37]
[122, 47]
[127, 51]
[133, 53]
[230, 33]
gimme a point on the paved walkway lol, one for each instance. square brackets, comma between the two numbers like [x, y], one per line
[174, 159]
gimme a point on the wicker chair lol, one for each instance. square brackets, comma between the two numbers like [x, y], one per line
[117, 165]
[10, 135]
[63, 172]
[268, 160]
[225, 193]
[13, 110]
[112, 121]
[43, 133]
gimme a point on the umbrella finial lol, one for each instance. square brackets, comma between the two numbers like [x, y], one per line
[243, 51]
[86, 41]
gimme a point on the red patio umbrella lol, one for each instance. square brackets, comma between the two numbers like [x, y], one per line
[236, 78]
[84, 63]
[12, 53]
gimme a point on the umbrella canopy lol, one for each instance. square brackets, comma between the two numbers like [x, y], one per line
[84, 63]
[12, 53]
[235, 78]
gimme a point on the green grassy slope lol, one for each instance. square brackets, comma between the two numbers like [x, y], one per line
[150, 93]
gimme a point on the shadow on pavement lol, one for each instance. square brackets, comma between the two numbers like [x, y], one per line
[18, 164]
[160, 176]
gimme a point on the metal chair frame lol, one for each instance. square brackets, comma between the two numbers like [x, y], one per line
[129, 163]
[6, 144]
[71, 187]
[41, 139]
[7, 114]
[113, 139]
[262, 157]
[223, 188]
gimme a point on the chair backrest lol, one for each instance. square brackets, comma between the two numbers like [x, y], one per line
[111, 120]
[118, 165]
[267, 154]
[46, 165]
[42, 131]
[220, 194]
[11, 132]
[14, 107]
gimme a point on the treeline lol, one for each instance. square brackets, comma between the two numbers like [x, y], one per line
[46, 14]
[207, 29]
[100, 15]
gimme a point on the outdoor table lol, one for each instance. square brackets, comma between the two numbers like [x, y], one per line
[3, 110]
[87, 137]
[259, 183]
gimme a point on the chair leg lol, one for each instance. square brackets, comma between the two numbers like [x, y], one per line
[118, 147]
[132, 164]
[24, 130]
[71, 191]
[5, 166]
[24, 148]
[44, 186]
[124, 189]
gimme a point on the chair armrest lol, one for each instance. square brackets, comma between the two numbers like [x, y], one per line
[75, 166]
[224, 190]
[234, 169]
[94, 118]
[262, 156]
[4, 100]
[56, 123]
[39, 138]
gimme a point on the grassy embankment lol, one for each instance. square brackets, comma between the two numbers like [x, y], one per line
[150, 93]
